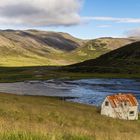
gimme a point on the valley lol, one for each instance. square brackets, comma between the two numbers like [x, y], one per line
[41, 48]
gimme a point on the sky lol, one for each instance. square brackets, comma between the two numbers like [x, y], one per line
[82, 18]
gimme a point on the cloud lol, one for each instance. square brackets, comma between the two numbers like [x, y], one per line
[113, 19]
[133, 32]
[33, 13]
[40, 12]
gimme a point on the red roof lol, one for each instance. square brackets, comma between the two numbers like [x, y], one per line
[115, 100]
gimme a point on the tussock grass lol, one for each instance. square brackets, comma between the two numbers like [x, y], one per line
[43, 118]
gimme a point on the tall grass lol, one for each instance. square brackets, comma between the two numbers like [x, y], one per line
[43, 118]
[29, 136]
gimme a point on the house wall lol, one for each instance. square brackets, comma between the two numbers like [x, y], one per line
[121, 112]
[124, 112]
[107, 110]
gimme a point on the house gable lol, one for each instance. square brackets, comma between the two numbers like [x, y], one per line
[107, 109]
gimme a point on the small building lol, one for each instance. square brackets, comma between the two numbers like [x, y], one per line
[121, 106]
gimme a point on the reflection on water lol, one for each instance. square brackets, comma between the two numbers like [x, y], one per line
[89, 91]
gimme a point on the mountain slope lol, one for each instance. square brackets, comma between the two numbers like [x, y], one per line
[39, 48]
[34, 47]
[123, 60]
[97, 47]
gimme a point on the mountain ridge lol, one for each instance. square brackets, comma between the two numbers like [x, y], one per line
[46, 48]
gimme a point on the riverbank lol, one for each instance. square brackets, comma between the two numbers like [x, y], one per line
[31, 118]
[18, 74]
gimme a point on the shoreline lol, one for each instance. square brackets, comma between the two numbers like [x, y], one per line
[66, 76]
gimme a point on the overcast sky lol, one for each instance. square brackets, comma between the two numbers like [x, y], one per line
[81, 18]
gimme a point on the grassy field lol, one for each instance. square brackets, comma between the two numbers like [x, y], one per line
[43, 118]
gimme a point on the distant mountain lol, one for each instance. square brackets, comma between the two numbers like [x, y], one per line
[31, 47]
[37, 48]
[123, 60]
[97, 47]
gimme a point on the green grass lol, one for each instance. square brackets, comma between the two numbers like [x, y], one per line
[30, 136]
[43, 118]
[14, 74]
[23, 76]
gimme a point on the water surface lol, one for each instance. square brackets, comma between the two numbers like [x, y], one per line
[88, 91]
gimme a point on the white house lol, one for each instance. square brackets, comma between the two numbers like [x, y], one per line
[121, 106]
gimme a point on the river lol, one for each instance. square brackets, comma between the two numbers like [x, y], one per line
[87, 91]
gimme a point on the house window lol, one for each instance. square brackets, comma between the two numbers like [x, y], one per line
[131, 113]
[106, 103]
[125, 103]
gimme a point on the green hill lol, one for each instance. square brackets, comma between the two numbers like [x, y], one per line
[123, 60]
[97, 47]
[41, 48]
